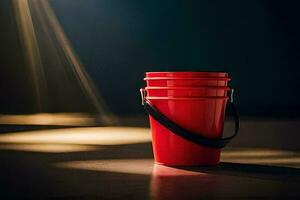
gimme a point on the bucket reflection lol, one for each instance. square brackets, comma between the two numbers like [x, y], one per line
[174, 183]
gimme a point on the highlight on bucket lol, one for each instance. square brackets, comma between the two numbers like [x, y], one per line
[186, 112]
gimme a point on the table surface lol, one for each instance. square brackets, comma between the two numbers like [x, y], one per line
[117, 163]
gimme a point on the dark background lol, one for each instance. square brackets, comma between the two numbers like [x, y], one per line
[257, 42]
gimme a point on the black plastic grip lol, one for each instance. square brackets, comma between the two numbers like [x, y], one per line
[189, 135]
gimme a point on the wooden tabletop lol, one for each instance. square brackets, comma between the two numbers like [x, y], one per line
[117, 163]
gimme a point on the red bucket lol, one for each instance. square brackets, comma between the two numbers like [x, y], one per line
[200, 115]
[186, 115]
[186, 74]
[187, 91]
[186, 82]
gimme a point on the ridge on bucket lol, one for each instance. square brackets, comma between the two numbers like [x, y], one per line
[186, 82]
[203, 91]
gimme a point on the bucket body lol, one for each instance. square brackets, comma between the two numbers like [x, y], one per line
[186, 82]
[200, 115]
[186, 74]
[187, 91]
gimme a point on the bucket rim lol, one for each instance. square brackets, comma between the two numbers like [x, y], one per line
[221, 74]
[188, 88]
[189, 78]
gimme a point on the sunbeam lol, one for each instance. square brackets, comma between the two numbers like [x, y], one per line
[60, 81]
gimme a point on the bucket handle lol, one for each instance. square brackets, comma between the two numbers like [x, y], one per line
[189, 135]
